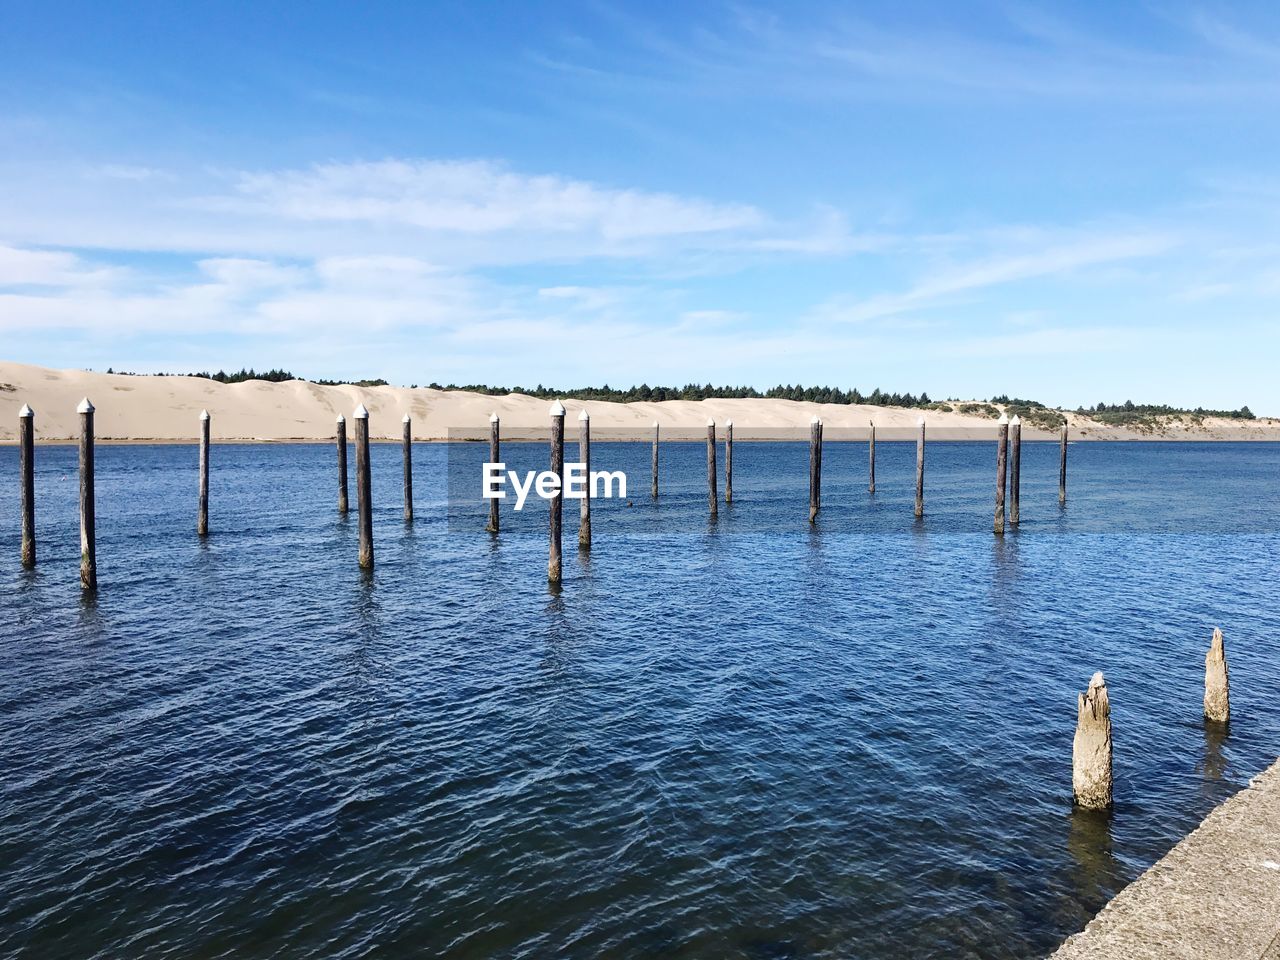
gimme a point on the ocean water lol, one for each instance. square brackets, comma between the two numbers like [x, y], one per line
[750, 738]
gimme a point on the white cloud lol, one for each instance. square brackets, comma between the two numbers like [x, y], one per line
[948, 283]
[478, 197]
[49, 268]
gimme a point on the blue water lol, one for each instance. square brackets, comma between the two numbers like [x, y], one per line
[747, 739]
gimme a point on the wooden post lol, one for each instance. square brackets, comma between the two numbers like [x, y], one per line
[815, 459]
[655, 459]
[495, 456]
[557, 500]
[88, 533]
[1062, 467]
[1015, 468]
[1091, 749]
[1217, 693]
[342, 464]
[27, 470]
[202, 517]
[364, 489]
[871, 456]
[584, 454]
[821, 425]
[711, 468]
[728, 461]
[407, 444]
[920, 471]
[1002, 464]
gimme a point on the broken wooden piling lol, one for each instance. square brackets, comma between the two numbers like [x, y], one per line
[1217, 694]
[1091, 749]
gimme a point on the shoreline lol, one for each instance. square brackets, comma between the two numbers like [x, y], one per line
[166, 409]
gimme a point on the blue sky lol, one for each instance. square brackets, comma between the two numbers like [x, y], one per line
[1072, 203]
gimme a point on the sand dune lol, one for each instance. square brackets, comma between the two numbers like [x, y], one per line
[168, 408]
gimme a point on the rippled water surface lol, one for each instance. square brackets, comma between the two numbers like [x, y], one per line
[747, 739]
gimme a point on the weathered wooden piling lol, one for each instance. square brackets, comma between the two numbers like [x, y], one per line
[1091, 749]
[342, 464]
[1002, 457]
[202, 517]
[655, 460]
[364, 488]
[815, 467]
[1015, 469]
[27, 472]
[495, 456]
[88, 532]
[1217, 693]
[406, 443]
[1062, 467]
[557, 498]
[711, 468]
[728, 461]
[871, 458]
[584, 454]
[920, 471]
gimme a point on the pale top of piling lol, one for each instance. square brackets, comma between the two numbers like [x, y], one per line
[493, 418]
[710, 422]
[204, 414]
[655, 424]
[584, 415]
[85, 406]
[361, 413]
[406, 419]
[341, 419]
[1004, 418]
[814, 419]
[557, 409]
[26, 412]
[1098, 680]
[920, 422]
[1016, 421]
[728, 423]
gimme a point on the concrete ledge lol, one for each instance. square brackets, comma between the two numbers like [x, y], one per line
[1215, 896]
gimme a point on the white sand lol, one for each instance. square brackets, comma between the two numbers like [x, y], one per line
[168, 408]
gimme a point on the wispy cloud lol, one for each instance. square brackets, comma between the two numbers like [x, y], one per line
[477, 196]
[950, 282]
